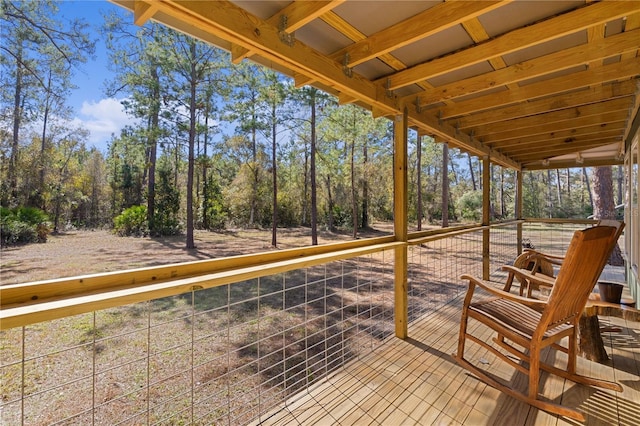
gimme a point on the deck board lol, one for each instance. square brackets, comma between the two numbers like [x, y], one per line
[415, 381]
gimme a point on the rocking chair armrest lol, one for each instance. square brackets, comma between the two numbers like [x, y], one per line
[532, 303]
[556, 260]
[537, 279]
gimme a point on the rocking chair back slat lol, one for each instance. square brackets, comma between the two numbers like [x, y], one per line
[583, 264]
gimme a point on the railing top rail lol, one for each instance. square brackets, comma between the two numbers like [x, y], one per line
[558, 220]
[24, 304]
[438, 234]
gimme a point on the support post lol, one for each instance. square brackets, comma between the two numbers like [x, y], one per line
[519, 178]
[486, 220]
[400, 127]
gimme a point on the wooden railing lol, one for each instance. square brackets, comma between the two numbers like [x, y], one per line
[225, 340]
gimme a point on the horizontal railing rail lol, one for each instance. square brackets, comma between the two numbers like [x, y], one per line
[222, 347]
[24, 304]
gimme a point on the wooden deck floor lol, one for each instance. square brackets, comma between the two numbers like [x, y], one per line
[416, 382]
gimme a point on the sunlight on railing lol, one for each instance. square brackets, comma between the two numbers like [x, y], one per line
[218, 355]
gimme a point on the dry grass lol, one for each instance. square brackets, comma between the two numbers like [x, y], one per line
[84, 252]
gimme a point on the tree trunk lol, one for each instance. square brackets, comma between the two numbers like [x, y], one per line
[420, 213]
[503, 207]
[274, 218]
[620, 178]
[365, 186]
[558, 188]
[354, 201]
[603, 205]
[192, 138]
[17, 118]
[473, 175]
[445, 185]
[314, 203]
[330, 205]
[585, 180]
[152, 142]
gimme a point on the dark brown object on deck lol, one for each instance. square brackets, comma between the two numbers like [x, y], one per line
[610, 292]
[536, 324]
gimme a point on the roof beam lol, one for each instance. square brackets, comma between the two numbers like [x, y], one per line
[567, 23]
[294, 16]
[616, 71]
[554, 62]
[555, 103]
[564, 115]
[422, 25]
[576, 143]
[554, 151]
[142, 12]
[602, 119]
[582, 134]
[568, 164]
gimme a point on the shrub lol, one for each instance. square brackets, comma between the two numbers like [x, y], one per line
[470, 206]
[132, 222]
[23, 225]
[31, 215]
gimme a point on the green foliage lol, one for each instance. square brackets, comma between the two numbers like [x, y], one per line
[132, 222]
[31, 215]
[23, 225]
[166, 220]
[215, 214]
[470, 206]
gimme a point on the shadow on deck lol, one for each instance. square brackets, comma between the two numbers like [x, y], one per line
[415, 381]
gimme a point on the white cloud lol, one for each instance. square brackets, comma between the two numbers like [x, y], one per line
[102, 119]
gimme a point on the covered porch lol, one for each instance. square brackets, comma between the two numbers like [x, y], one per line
[415, 381]
[357, 332]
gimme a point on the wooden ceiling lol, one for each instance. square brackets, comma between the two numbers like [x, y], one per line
[532, 84]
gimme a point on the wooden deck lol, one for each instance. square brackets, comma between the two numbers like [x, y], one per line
[415, 381]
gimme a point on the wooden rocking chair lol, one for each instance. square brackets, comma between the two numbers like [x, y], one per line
[535, 324]
[541, 265]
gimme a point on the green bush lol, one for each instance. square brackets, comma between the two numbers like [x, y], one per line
[132, 222]
[31, 215]
[23, 225]
[470, 206]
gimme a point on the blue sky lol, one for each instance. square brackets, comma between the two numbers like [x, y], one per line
[92, 109]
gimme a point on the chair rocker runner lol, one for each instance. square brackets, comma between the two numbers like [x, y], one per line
[535, 324]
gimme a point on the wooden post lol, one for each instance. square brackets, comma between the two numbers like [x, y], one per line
[486, 220]
[519, 179]
[400, 126]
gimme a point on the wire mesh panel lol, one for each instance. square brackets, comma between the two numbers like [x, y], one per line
[503, 243]
[435, 268]
[550, 238]
[222, 355]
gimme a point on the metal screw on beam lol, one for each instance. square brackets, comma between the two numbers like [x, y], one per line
[287, 38]
[345, 66]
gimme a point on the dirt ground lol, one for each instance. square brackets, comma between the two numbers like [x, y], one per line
[81, 252]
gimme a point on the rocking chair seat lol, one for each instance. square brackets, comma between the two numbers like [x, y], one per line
[513, 318]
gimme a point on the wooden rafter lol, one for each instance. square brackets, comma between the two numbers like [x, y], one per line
[580, 55]
[422, 25]
[518, 39]
[569, 100]
[608, 73]
[293, 16]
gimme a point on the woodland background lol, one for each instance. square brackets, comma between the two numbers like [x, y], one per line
[221, 145]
